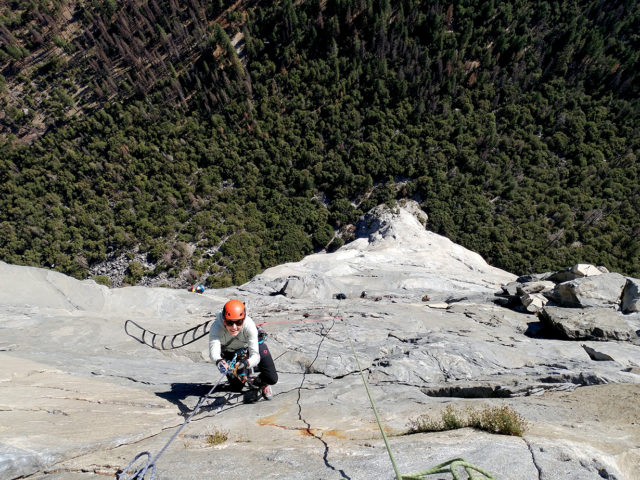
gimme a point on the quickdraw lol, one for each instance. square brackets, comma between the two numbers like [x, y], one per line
[242, 356]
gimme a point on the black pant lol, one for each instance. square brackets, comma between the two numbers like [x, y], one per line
[266, 368]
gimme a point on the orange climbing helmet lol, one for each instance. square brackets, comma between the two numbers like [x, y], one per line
[233, 310]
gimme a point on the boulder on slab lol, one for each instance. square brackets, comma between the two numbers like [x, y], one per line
[535, 287]
[510, 289]
[588, 324]
[604, 290]
[580, 270]
[565, 275]
[586, 270]
[293, 287]
[631, 296]
[534, 302]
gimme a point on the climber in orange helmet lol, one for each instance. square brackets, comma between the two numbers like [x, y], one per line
[233, 331]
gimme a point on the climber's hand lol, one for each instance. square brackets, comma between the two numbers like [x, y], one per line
[222, 366]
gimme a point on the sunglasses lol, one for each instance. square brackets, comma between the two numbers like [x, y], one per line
[237, 323]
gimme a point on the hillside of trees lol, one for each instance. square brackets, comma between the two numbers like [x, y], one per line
[221, 138]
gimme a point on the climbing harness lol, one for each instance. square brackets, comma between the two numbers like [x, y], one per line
[241, 356]
[150, 466]
[450, 466]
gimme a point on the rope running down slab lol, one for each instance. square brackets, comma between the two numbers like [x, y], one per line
[450, 466]
[150, 466]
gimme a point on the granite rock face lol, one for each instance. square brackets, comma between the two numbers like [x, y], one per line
[589, 324]
[603, 290]
[79, 398]
[581, 286]
[631, 296]
[392, 256]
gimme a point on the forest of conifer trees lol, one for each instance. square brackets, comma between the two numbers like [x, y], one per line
[222, 138]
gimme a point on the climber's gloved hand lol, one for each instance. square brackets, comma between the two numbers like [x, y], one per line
[222, 366]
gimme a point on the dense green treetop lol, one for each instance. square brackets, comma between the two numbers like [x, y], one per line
[222, 138]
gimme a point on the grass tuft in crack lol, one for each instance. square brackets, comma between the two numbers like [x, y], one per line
[500, 420]
[216, 437]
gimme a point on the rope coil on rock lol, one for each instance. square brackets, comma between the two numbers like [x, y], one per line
[452, 467]
[150, 466]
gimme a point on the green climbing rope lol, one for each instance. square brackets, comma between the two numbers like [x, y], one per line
[375, 411]
[451, 466]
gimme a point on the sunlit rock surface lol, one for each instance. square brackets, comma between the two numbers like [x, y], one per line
[79, 398]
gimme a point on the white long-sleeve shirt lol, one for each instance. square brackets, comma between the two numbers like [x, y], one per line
[220, 340]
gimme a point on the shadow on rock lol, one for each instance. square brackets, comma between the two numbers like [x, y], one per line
[543, 331]
[179, 392]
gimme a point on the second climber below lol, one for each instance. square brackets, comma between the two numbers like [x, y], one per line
[233, 330]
